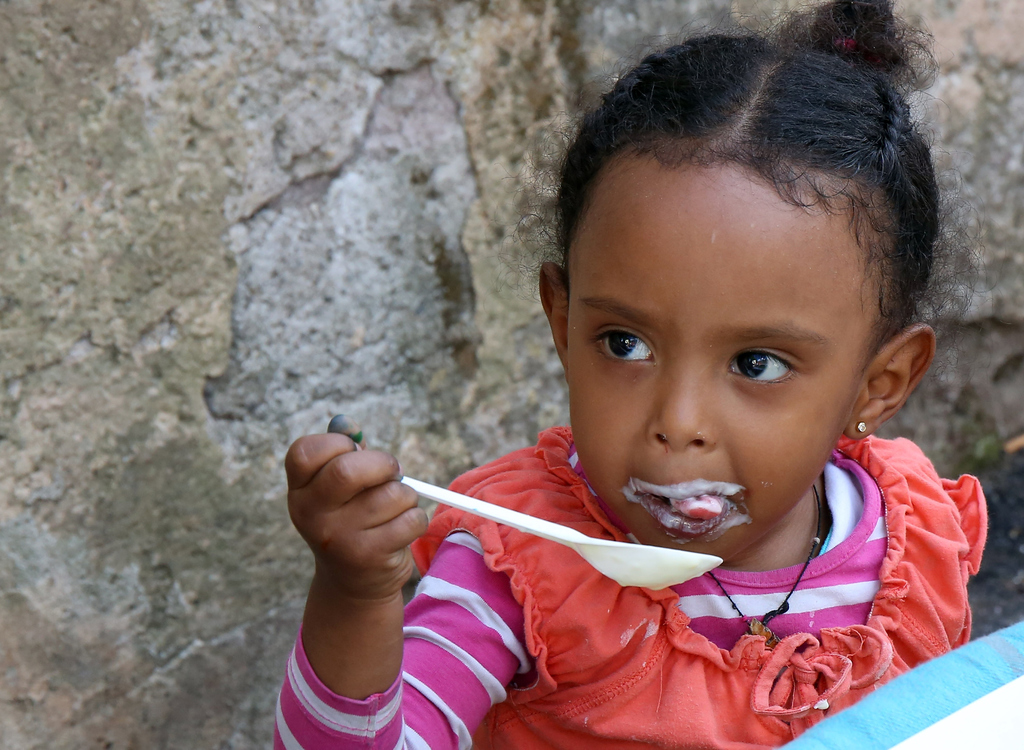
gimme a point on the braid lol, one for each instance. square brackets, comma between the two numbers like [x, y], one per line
[906, 176]
[895, 125]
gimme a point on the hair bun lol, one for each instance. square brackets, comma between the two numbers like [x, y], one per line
[864, 32]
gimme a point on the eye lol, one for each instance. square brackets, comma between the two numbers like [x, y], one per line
[760, 366]
[622, 345]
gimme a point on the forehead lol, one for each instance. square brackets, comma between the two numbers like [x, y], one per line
[715, 237]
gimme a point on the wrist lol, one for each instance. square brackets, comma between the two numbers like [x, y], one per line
[364, 586]
[331, 592]
[354, 644]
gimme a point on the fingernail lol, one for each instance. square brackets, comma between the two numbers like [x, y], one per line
[345, 425]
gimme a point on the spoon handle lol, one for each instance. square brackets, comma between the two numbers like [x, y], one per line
[555, 532]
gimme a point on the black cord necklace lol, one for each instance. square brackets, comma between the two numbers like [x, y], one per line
[757, 626]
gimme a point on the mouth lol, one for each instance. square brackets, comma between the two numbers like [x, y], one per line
[698, 509]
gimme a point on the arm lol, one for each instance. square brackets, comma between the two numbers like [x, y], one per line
[463, 644]
[358, 520]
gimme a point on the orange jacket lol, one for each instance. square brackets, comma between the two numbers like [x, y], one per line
[619, 667]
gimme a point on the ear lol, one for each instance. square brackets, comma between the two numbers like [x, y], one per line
[554, 296]
[890, 378]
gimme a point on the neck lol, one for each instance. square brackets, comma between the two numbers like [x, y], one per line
[795, 537]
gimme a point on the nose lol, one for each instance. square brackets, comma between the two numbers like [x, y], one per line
[682, 417]
[697, 441]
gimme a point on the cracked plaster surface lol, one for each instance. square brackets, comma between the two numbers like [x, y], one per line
[224, 221]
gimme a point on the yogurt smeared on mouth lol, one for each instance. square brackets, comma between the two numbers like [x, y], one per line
[689, 510]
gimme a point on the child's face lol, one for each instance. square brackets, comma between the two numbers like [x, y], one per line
[712, 331]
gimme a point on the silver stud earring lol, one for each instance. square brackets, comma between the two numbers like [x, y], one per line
[861, 427]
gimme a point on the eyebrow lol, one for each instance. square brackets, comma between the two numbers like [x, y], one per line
[615, 308]
[782, 331]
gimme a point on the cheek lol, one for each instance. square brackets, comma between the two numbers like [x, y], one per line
[782, 458]
[597, 416]
[803, 416]
[599, 390]
[590, 413]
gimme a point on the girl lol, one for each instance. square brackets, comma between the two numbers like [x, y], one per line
[748, 236]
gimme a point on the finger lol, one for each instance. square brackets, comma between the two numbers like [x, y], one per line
[398, 533]
[348, 474]
[334, 536]
[334, 486]
[309, 454]
[381, 504]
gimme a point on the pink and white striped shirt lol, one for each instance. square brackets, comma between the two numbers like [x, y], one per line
[464, 632]
[837, 588]
[464, 643]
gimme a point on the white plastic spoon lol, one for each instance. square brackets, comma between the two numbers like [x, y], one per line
[626, 564]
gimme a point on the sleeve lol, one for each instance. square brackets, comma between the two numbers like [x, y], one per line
[464, 637]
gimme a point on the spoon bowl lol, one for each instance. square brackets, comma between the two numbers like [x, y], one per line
[627, 564]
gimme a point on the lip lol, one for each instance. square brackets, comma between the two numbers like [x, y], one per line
[654, 499]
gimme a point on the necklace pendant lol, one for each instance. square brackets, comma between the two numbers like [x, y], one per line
[756, 627]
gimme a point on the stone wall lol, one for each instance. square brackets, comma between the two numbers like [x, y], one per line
[223, 221]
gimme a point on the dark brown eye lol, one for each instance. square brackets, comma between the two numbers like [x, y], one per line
[623, 345]
[760, 366]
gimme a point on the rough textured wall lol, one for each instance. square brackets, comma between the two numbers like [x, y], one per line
[967, 409]
[223, 221]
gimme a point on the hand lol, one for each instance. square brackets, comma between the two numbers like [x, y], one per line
[355, 516]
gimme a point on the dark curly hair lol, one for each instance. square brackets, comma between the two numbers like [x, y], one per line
[817, 106]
